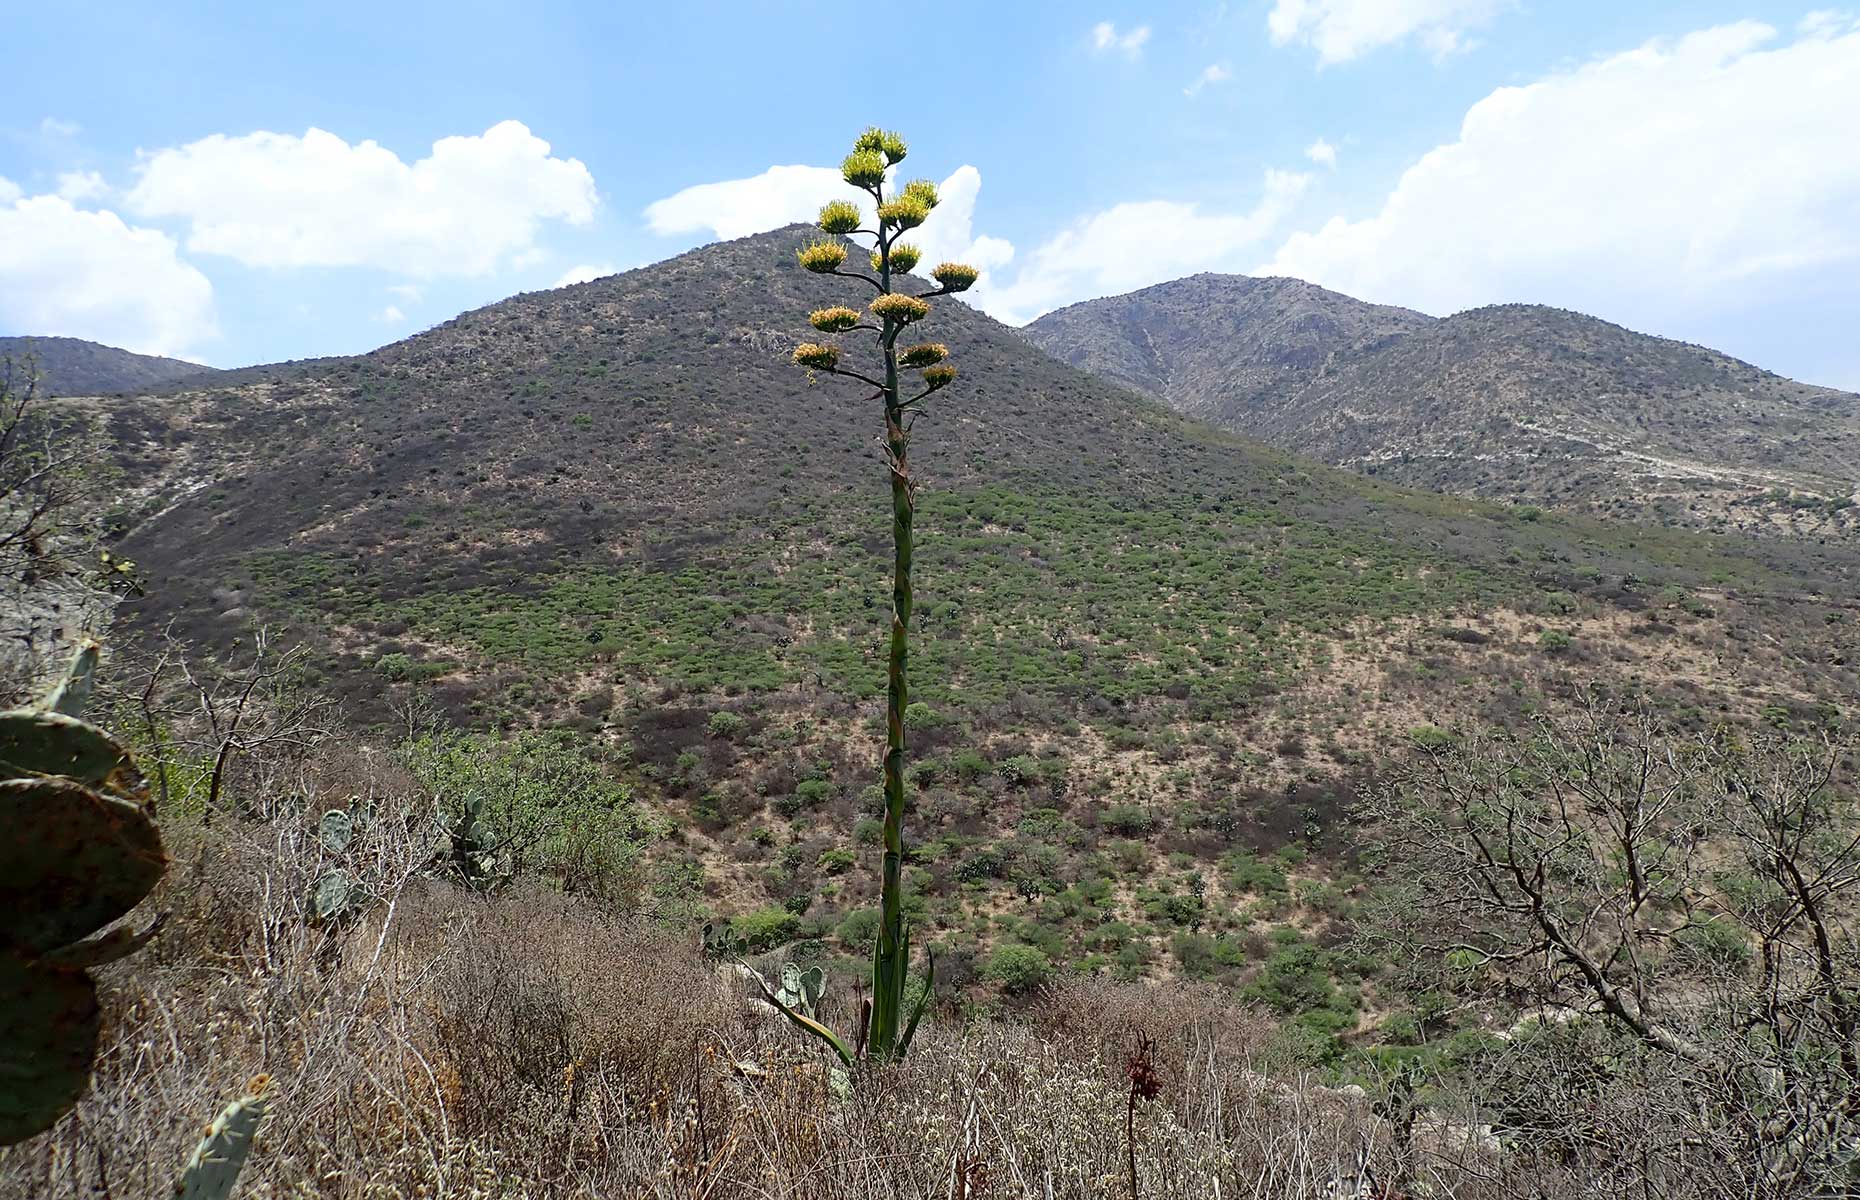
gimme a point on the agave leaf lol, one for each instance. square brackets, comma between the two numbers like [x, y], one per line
[335, 829]
[804, 1022]
[923, 1002]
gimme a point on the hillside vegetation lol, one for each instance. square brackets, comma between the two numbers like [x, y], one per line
[1155, 664]
[1517, 402]
[75, 367]
[570, 610]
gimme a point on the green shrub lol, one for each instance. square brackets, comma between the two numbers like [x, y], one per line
[1018, 969]
[1127, 820]
[766, 928]
[859, 930]
[726, 724]
[837, 861]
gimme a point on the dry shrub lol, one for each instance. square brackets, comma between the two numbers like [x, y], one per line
[524, 1043]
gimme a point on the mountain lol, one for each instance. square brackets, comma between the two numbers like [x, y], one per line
[74, 367]
[1145, 648]
[1516, 402]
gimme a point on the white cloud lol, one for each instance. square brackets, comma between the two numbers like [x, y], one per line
[1105, 39]
[1211, 74]
[736, 208]
[1322, 153]
[55, 128]
[1827, 22]
[278, 200]
[1683, 173]
[584, 273]
[79, 186]
[391, 315]
[1134, 245]
[410, 292]
[780, 196]
[1340, 30]
[71, 273]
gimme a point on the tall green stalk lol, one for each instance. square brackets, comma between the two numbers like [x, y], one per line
[887, 1033]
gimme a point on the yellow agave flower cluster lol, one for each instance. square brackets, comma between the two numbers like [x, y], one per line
[874, 153]
[900, 308]
[903, 258]
[816, 357]
[837, 319]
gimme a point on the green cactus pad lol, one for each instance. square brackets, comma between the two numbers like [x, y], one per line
[332, 895]
[335, 829]
[35, 742]
[215, 1164]
[48, 1033]
[72, 860]
[72, 693]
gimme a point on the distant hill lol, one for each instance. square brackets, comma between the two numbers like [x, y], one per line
[75, 367]
[1517, 402]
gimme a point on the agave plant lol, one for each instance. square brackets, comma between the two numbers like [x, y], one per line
[894, 307]
[80, 851]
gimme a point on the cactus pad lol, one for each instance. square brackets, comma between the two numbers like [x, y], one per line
[72, 860]
[332, 895]
[335, 829]
[48, 1033]
[33, 742]
[214, 1166]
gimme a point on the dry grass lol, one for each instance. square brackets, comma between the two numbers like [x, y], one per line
[527, 1044]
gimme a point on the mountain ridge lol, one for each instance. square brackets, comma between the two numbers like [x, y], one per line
[1522, 402]
[70, 366]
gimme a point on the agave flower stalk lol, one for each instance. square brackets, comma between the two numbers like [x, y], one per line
[887, 1031]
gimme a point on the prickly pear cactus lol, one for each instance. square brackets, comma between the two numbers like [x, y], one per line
[48, 1034]
[214, 1167]
[334, 895]
[78, 850]
[335, 829]
[801, 990]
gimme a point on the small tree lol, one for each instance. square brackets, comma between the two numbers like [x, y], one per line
[1679, 914]
[886, 1035]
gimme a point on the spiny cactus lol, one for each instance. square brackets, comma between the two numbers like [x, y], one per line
[801, 990]
[216, 1161]
[723, 942]
[334, 895]
[80, 851]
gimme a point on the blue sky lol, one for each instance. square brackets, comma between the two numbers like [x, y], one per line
[1689, 169]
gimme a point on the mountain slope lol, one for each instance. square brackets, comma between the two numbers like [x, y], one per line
[74, 367]
[1146, 650]
[1518, 402]
[643, 440]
